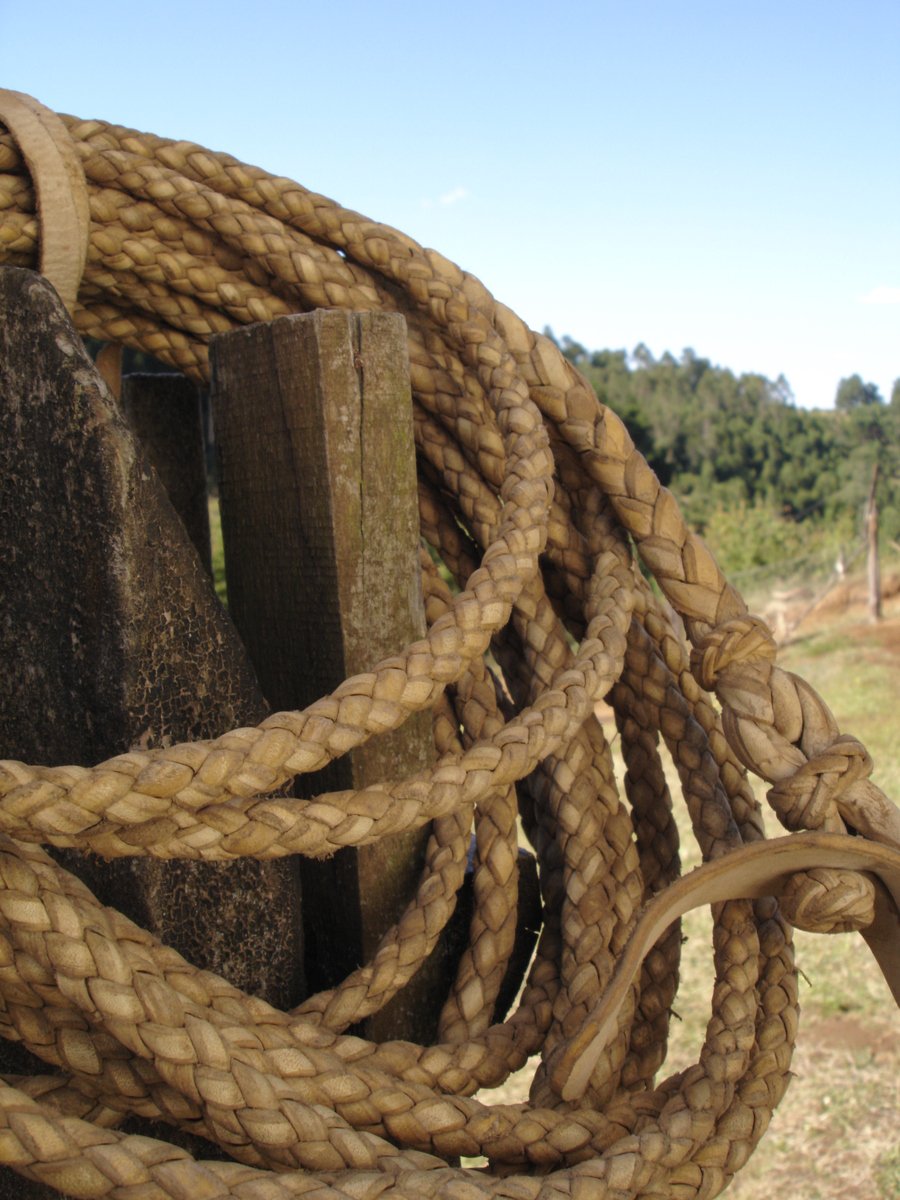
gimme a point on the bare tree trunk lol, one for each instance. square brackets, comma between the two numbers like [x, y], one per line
[874, 569]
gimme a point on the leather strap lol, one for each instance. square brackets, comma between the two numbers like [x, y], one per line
[751, 872]
[60, 188]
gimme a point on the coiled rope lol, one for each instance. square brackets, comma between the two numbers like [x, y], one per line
[534, 496]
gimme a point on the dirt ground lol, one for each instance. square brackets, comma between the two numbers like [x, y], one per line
[848, 603]
[883, 637]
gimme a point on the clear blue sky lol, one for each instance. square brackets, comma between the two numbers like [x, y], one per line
[719, 175]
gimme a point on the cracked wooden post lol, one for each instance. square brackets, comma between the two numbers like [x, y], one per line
[313, 418]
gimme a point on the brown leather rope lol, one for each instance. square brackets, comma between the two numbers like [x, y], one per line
[534, 496]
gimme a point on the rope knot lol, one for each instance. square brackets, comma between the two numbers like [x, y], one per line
[826, 900]
[743, 639]
[806, 799]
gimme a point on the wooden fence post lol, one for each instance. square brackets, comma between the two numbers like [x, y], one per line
[317, 481]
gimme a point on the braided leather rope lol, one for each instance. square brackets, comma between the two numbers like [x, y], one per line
[536, 499]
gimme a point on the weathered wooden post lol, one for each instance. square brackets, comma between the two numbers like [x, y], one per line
[112, 637]
[314, 433]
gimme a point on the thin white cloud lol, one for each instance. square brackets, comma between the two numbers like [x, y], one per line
[881, 295]
[454, 196]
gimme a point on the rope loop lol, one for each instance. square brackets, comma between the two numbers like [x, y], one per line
[535, 500]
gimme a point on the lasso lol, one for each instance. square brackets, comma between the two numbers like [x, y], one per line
[534, 496]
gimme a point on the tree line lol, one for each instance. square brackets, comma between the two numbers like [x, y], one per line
[759, 476]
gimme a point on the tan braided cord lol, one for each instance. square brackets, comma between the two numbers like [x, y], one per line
[535, 498]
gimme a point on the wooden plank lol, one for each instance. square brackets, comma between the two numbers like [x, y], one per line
[313, 421]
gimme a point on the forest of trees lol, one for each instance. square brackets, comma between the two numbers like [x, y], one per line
[763, 479]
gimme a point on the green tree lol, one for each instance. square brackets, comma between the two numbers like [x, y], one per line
[641, 356]
[853, 393]
[574, 351]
